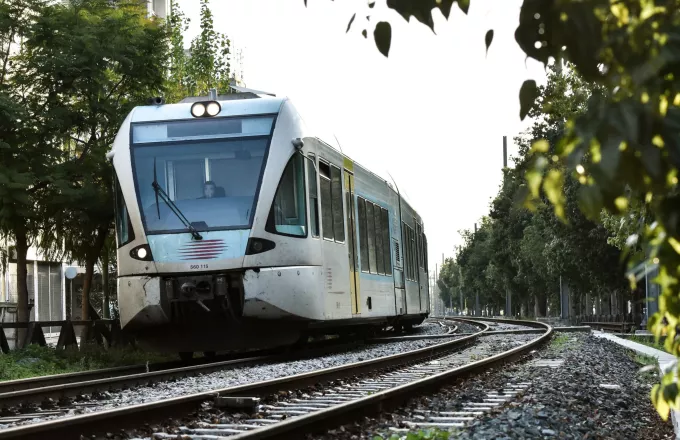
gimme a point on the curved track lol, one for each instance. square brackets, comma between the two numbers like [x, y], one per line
[138, 415]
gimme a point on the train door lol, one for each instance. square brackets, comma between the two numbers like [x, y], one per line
[352, 242]
[399, 281]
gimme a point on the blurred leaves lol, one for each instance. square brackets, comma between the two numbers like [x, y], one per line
[383, 37]
[527, 95]
[488, 38]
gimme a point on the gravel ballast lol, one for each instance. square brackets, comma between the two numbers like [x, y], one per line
[243, 375]
[483, 348]
[597, 392]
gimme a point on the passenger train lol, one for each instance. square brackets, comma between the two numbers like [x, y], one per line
[238, 226]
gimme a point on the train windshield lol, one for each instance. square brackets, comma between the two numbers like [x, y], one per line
[209, 169]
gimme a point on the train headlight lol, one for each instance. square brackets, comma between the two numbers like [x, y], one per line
[198, 110]
[213, 108]
[206, 109]
[142, 252]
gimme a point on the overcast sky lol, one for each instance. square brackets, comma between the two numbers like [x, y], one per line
[432, 115]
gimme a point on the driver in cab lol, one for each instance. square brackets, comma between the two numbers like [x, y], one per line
[210, 190]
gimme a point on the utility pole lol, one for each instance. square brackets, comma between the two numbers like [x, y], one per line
[508, 293]
[460, 287]
[476, 293]
[505, 152]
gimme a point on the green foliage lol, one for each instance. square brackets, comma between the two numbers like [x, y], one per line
[560, 340]
[208, 63]
[423, 434]
[73, 73]
[41, 361]
[525, 251]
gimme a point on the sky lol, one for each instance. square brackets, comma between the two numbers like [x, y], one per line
[432, 115]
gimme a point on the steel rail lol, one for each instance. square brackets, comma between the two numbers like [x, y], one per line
[107, 373]
[99, 423]
[73, 387]
[298, 427]
[80, 376]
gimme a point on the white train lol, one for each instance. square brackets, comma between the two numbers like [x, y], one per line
[238, 227]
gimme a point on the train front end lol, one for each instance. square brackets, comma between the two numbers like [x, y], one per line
[203, 191]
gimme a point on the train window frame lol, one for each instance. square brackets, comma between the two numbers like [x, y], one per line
[370, 229]
[258, 187]
[271, 225]
[407, 266]
[387, 251]
[314, 206]
[363, 237]
[338, 205]
[326, 201]
[419, 245]
[414, 254]
[379, 250]
[118, 210]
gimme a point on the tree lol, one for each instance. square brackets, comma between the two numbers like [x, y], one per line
[448, 281]
[95, 61]
[208, 63]
[26, 148]
[627, 142]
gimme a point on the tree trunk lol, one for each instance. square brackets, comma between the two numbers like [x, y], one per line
[105, 283]
[92, 257]
[23, 313]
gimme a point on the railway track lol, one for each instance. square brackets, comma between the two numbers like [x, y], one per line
[53, 393]
[403, 374]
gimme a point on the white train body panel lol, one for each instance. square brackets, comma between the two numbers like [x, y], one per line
[307, 238]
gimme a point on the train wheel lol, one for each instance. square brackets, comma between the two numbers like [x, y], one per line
[186, 356]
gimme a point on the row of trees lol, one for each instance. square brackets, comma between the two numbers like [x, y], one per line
[527, 251]
[69, 75]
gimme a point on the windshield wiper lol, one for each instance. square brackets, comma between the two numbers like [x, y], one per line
[175, 210]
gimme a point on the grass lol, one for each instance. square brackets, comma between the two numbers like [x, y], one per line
[426, 434]
[649, 343]
[644, 360]
[560, 340]
[36, 361]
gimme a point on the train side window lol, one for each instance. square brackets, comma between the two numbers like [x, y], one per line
[414, 257]
[425, 252]
[419, 245]
[124, 232]
[408, 253]
[313, 197]
[363, 236]
[288, 215]
[414, 254]
[326, 202]
[380, 265]
[370, 222]
[404, 250]
[385, 222]
[338, 214]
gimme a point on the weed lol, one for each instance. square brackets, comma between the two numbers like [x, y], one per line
[35, 360]
[649, 343]
[560, 340]
[427, 434]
